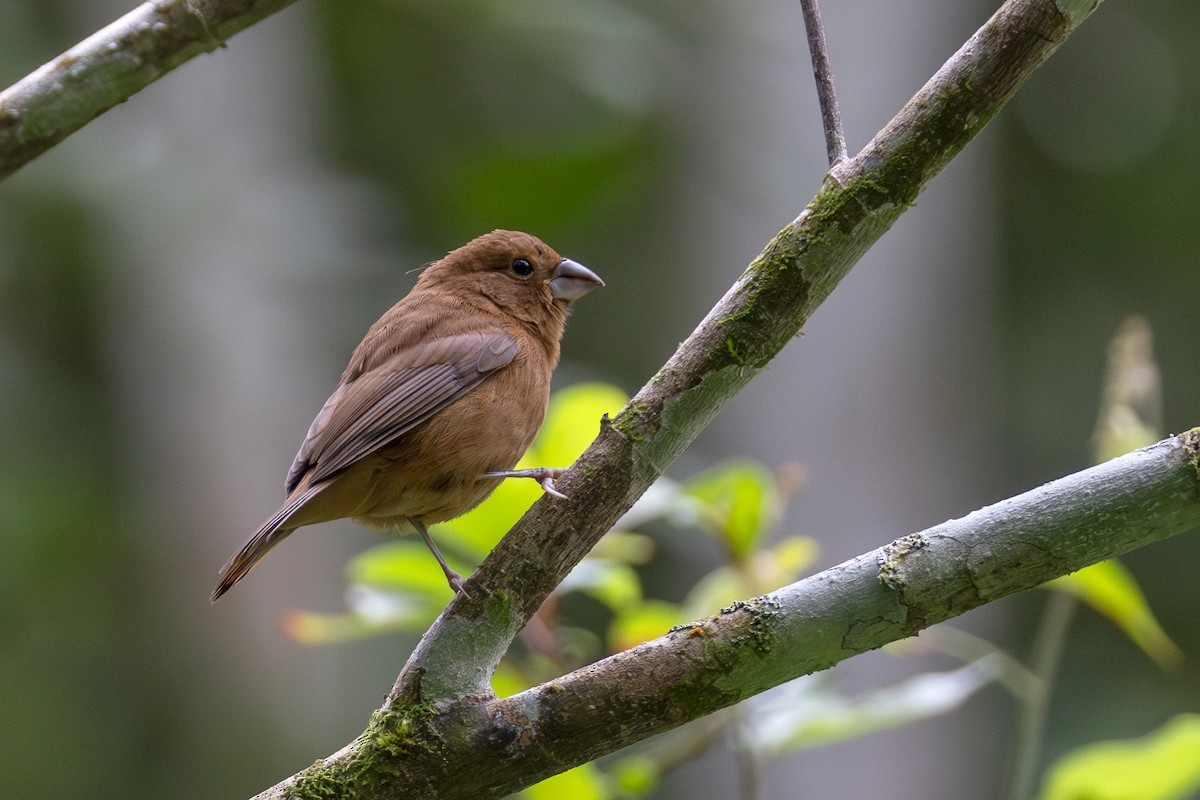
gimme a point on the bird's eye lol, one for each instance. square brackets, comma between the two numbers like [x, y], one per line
[522, 267]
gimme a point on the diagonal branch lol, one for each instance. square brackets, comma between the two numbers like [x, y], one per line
[112, 65]
[441, 713]
[760, 314]
[879, 597]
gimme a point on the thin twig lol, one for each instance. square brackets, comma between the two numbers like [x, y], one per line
[1048, 648]
[749, 768]
[831, 115]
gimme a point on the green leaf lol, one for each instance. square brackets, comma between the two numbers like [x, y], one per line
[1164, 765]
[372, 612]
[665, 499]
[1124, 433]
[715, 590]
[738, 502]
[615, 585]
[507, 680]
[636, 775]
[766, 571]
[573, 420]
[641, 623]
[783, 563]
[582, 783]
[401, 566]
[804, 714]
[1111, 589]
[795, 554]
[624, 547]
[308, 628]
[1131, 405]
[478, 531]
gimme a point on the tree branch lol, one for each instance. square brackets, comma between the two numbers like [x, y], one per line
[831, 114]
[879, 597]
[441, 711]
[112, 65]
[761, 313]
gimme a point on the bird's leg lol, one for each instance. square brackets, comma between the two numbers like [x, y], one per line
[453, 578]
[545, 476]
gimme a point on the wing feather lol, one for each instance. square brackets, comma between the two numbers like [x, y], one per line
[381, 405]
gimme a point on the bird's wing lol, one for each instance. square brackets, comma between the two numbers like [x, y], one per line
[376, 408]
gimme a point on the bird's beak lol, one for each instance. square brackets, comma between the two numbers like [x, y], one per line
[572, 280]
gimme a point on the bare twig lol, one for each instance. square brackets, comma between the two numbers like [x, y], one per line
[1048, 646]
[831, 115]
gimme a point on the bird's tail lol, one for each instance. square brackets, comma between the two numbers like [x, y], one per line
[272, 532]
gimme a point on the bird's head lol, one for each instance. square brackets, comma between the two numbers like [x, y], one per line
[518, 273]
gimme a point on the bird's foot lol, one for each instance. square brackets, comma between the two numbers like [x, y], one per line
[545, 476]
[458, 584]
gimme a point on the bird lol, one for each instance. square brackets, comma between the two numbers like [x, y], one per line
[440, 399]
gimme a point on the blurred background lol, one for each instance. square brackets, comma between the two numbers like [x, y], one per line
[182, 281]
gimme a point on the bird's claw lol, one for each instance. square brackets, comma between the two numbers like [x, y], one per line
[545, 476]
[457, 584]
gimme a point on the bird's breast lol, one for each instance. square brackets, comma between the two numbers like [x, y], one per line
[435, 472]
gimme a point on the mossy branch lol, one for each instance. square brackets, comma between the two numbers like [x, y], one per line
[416, 751]
[879, 597]
[112, 65]
[441, 712]
[758, 316]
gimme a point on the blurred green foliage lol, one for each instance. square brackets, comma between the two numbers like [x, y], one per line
[554, 132]
[60, 476]
[1110, 589]
[1163, 765]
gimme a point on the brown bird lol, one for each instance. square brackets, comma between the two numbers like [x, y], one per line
[439, 401]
